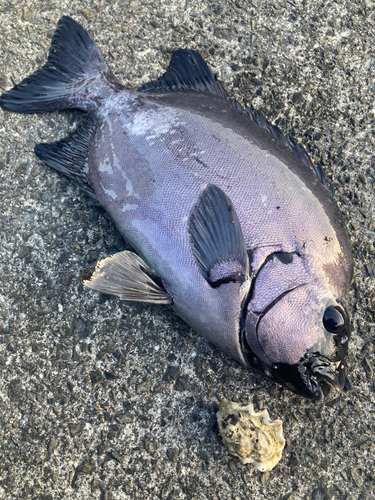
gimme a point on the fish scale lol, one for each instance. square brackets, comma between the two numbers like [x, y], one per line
[231, 222]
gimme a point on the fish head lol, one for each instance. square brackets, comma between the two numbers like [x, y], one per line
[299, 338]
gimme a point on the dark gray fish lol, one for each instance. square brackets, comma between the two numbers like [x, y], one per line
[232, 223]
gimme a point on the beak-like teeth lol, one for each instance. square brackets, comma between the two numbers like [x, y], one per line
[335, 378]
[303, 378]
[314, 389]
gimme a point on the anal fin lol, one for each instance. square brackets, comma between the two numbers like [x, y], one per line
[125, 275]
[70, 156]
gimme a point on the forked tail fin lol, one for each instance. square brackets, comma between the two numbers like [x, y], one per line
[71, 78]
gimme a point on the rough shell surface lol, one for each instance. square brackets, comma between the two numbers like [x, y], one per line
[251, 436]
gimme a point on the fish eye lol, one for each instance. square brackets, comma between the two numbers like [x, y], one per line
[334, 319]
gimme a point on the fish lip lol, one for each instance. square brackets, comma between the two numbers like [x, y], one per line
[306, 385]
[332, 372]
[303, 377]
[310, 385]
[318, 367]
[316, 392]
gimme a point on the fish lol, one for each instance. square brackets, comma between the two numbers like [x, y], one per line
[231, 223]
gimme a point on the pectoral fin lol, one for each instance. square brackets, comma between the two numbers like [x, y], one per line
[216, 239]
[125, 275]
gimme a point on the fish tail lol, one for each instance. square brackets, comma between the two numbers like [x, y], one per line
[72, 77]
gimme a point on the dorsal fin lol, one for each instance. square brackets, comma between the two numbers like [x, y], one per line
[297, 149]
[189, 71]
[186, 71]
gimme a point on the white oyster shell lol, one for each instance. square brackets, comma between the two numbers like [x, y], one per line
[251, 436]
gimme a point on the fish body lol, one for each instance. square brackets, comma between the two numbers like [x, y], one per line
[231, 223]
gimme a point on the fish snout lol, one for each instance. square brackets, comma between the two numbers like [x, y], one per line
[303, 377]
[331, 371]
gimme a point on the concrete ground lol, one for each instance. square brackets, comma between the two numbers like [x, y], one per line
[103, 399]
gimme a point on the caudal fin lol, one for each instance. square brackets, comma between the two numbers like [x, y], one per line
[74, 63]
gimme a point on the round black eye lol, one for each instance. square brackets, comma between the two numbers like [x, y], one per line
[334, 319]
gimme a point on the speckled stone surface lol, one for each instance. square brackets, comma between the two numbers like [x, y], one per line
[105, 400]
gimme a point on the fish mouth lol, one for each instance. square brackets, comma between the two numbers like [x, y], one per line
[303, 377]
[330, 371]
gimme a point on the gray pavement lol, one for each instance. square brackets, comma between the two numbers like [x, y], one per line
[106, 400]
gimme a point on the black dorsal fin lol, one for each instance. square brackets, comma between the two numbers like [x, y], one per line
[189, 71]
[297, 149]
[186, 71]
[70, 156]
